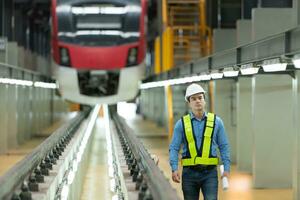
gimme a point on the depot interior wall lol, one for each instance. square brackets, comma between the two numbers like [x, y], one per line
[3, 120]
[277, 20]
[273, 131]
[220, 43]
[3, 49]
[180, 106]
[225, 107]
[244, 124]
[13, 56]
[243, 32]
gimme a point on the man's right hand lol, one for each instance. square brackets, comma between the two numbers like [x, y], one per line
[176, 176]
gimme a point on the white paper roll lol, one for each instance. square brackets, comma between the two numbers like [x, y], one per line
[221, 169]
[225, 183]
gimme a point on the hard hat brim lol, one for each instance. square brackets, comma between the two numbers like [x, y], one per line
[187, 97]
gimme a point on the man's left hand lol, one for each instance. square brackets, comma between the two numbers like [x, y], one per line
[225, 174]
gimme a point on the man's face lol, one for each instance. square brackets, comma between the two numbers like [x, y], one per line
[197, 102]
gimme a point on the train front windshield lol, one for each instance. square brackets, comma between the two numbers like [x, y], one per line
[98, 24]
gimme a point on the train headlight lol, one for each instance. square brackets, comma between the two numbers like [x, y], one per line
[64, 56]
[132, 57]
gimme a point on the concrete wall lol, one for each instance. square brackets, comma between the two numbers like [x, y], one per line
[3, 50]
[43, 65]
[159, 106]
[180, 107]
[243, 32]
[28, 61]
[296, 7]
[153, 105]
[3, 120]
[25, 111]
[277, 20]
[273, 131]
[21, 57]
[225, 107]
[223, 39]
[13, 56]
[244, 124]
[12, 126]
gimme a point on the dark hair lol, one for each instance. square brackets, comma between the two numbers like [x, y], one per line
[196, 93]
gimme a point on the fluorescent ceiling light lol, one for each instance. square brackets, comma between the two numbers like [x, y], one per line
[16, 82]
[63, 8]
[230, 72]
[205, 77]
[152, 85]
[273, 65]
[97, 32]
[96, 25]
[249, 69]
[216, 75]
[45, 85]
[175, 81]
[110, 10]
[296, 61]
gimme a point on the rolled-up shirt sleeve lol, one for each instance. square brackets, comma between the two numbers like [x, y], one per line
[175, 145]
[223, 145]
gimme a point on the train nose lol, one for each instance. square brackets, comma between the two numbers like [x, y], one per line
[98, 83]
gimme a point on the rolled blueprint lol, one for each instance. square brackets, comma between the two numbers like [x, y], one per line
[225, 183]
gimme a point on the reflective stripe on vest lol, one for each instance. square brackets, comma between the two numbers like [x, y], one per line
[195, 159]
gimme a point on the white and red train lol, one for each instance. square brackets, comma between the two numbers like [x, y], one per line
[99, 49]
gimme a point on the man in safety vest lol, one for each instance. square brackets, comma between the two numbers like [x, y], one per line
[201, 134]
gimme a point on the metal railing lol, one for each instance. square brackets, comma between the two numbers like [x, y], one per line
[281, 45]
[10, 71]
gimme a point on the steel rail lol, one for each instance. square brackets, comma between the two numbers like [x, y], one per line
[159, 186]
[11, 180]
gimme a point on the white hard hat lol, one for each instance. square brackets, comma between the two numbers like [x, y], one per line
[193, 89]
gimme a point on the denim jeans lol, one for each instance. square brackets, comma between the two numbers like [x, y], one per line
[194, 181]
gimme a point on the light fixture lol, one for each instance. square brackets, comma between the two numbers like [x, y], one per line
[16, 82]
[216, 74]
[45, 85]
[296, 61]
[274, 65]
[230, 72]
[151, 85]
[110, 10]
[195, 78]
[175, 81]
[205, 77]
[249, 69]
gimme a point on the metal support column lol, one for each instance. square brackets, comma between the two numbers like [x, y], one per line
[296, 139]
[160, 31]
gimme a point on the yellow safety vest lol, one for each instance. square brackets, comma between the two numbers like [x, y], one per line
[194, 158]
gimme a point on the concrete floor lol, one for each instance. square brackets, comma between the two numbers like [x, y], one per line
[97, 181]
[13, 156]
